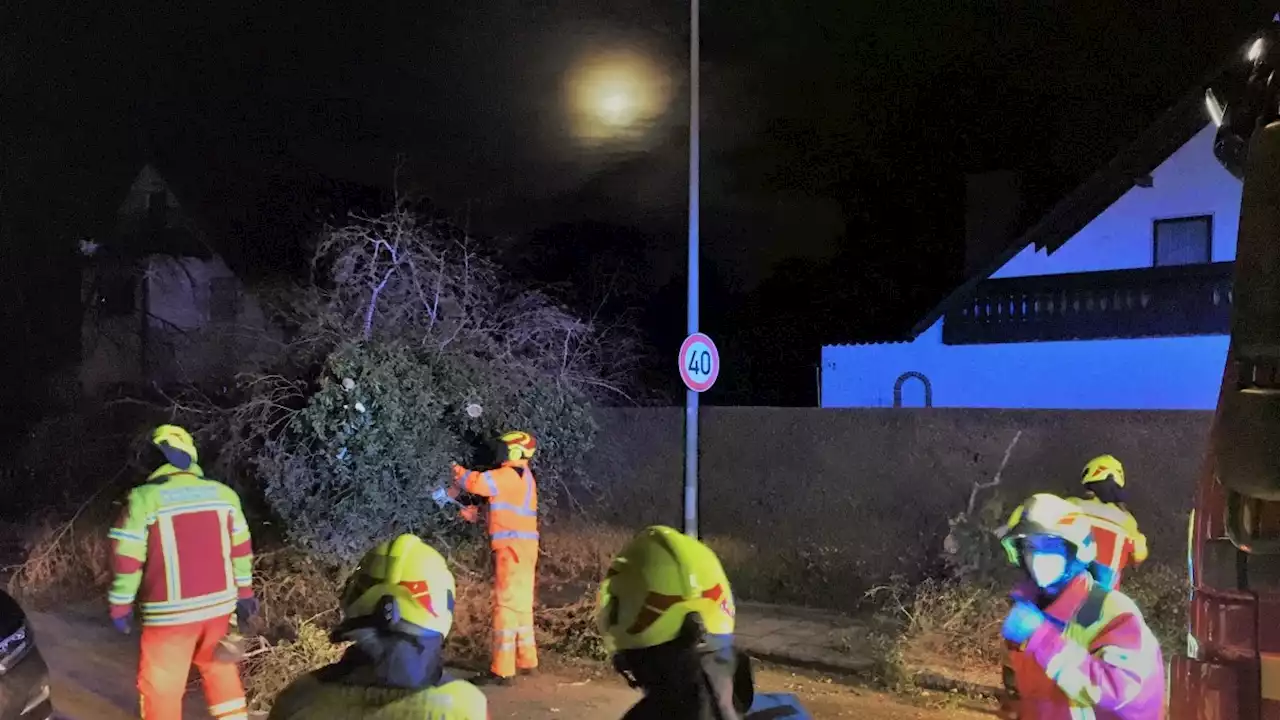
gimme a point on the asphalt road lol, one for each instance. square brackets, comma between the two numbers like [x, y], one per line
[93, 679]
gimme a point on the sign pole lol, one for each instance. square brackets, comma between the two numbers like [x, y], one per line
[690, 396]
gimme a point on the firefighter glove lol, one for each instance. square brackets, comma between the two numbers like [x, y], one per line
[1022, 621]
[123, 621]
[441, 497]
[246, 609]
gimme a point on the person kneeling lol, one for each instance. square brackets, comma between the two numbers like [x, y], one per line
[666, 613]
[397, 609]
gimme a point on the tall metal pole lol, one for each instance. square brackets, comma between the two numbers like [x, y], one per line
[691, 397]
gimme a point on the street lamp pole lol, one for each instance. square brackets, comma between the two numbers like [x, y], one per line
[691, 397]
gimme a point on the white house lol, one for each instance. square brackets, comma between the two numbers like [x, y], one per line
[1118, 298]
[161, 305]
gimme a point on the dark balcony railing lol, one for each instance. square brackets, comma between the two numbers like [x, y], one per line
[1149, 302]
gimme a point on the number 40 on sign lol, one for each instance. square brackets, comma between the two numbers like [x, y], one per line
[699, 362]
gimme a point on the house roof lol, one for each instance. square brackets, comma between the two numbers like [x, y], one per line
[171, 241]
[869, 342]
[236, 203]
[1171, 130]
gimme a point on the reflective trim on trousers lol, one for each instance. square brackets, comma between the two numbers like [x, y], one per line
[230, 710]
[524, 635]
[514, 535]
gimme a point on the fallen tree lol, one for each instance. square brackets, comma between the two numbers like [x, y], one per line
[407, 349]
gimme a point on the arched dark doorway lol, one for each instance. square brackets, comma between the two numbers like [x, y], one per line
[902, 380]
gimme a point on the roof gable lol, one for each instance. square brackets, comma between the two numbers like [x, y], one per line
[176, 232]
[1173, 129]
[147, 181]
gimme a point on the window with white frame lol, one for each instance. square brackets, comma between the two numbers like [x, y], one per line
[1183, 241]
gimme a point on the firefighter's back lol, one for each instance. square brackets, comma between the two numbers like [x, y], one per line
[1115, 531]
[195, 539]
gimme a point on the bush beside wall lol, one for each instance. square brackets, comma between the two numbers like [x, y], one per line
[822, 504]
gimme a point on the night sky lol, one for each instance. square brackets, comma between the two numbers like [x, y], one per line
[836, 137]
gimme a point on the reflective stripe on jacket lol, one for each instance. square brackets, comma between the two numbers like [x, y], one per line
[1094, 659]
[182, 548]
[513, 500]
[1116, 534]
[308, 698]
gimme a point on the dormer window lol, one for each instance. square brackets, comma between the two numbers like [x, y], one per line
[1183, 241]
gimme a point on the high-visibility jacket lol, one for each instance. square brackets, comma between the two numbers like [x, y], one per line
[1093, 658]
[1116, 534]
[310, 697]
[513, 500]
[181, 547]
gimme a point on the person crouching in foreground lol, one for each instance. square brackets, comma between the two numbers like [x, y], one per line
[1083, 650]
[666, 613]
[397, 610]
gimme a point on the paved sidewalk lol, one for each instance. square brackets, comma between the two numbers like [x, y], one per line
[803, 636]
[826, 641]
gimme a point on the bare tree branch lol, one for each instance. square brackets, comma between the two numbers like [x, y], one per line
[995, 481]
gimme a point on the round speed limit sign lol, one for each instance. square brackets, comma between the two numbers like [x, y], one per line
[699, 362]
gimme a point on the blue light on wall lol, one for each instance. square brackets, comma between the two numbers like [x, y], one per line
[1144, 374]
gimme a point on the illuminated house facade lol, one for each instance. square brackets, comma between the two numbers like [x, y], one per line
[1118, 298]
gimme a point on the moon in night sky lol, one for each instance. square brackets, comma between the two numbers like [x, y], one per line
[615, 95]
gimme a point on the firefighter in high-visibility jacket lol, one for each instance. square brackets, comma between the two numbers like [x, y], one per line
[181, 549]
[1085, 650]
[1115, 530]
[397, 610]
[666, 613]
[512, 495]
[1116, 537]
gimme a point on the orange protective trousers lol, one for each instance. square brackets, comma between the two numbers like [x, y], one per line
[168, 652]
[515, 574]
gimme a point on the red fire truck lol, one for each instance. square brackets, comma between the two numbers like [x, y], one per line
[1231, 669]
